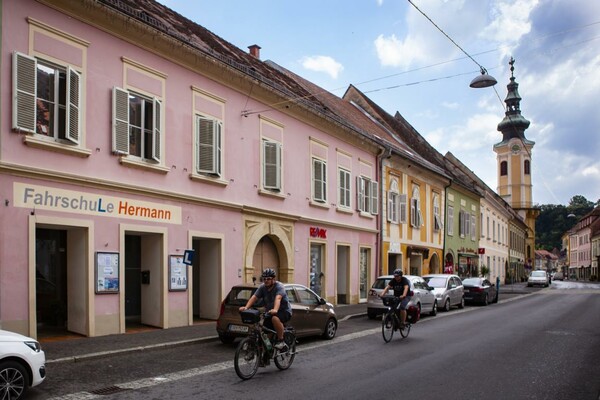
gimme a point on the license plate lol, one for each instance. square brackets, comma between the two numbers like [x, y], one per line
[466, 290]
[238, 328]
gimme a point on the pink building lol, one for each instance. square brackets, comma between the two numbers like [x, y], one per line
[130, 136]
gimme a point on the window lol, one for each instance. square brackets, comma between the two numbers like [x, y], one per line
[437, 219]
[393, 202]
[416, 218]
[344, 188]
[136, 125]
[367, 195]
[450, 220]
[319, 175]
[46, 99]
[503, 168]
[527, 167]
[208, 145]
[473, 226]
[271, 165]
[402, 201]
[464, 220]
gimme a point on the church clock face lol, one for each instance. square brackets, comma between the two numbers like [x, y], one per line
[515, 149]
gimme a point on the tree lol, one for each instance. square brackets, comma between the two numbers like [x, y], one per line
[555, 220]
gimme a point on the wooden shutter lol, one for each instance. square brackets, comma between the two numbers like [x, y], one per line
[374, 198]
[403, 207]
[24, 92]
[73, 124]
[360, 193]
[156, 130]
[120, 121]
[272, 165]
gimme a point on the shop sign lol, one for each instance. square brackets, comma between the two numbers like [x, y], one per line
[318, 232]
[38, 197]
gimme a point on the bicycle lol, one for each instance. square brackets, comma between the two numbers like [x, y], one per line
[256, 350]
[390, 321]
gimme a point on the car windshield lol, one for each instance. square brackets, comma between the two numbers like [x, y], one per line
[472, 281]
[239, 296]
[380, 283]
[436, 282]
[538, 274]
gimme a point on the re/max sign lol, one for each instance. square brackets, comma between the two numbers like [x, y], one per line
[318, 233]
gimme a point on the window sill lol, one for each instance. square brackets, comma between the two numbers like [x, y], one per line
[139, 164]
[366, 215]
[207, 179]
[269, 193]
[344, 210]
[317, 204]
[57, 147]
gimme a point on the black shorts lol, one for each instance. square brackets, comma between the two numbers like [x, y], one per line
[283, 316]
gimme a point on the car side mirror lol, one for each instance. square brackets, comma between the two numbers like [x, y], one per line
[430, 288]
[322, 301]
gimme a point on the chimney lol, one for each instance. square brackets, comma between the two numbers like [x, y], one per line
[255, 50]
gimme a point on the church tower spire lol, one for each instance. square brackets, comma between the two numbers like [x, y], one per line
[513, 155]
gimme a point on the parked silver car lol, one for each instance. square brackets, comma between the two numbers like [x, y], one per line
[448, 290]
[423, 297]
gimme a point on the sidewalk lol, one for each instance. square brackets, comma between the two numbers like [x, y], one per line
[72, 349]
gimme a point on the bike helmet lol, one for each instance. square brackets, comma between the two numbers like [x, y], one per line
[398, 272]
[268, 273]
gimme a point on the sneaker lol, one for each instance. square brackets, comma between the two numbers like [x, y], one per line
[280, 345]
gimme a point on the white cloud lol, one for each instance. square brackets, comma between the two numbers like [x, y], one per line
[323, 64]
[393, 52]
[510, 20]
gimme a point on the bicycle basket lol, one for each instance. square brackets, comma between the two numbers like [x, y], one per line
[250, 316]
[389, 300]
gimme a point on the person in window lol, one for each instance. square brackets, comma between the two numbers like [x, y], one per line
[276, 303]
[401, 287]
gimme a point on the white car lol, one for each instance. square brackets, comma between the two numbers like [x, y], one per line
[22, 364]
[538, 277]
[422, 298]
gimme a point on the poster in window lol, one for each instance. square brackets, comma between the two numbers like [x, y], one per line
[107, 272]
[178, 277]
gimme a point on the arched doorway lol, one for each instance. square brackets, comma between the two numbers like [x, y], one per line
[449, 263]
[434, 264]
[265, 256]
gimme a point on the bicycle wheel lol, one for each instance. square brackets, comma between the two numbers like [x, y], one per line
[405, 331]
[283, 360]
[246, 358]
[387, 327]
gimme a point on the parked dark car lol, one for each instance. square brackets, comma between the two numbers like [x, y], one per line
[480, 290]
[311, 314]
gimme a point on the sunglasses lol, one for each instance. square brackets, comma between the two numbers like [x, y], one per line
[268, 279]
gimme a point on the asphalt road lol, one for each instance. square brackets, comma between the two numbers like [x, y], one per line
[541, 346]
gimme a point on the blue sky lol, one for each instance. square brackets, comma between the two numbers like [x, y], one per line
[391, 52]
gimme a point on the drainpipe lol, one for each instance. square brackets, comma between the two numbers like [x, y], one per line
[386, 153]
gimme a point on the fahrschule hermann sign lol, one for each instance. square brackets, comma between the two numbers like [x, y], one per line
[49, 198]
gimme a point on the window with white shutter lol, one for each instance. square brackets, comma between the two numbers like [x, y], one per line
[136, 125]
[208, 145]
[344, 188]
[46, 99]
[271, 165]
[450, 214]
[319, 176]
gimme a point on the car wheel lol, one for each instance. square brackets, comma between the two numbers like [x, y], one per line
[461, 305]
[14, 376]
[447, 305]
[225, 339]
[433, 311]
[330, 329]
[485, 300]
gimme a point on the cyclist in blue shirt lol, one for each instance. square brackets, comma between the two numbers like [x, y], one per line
[276, 304]
[401, 287]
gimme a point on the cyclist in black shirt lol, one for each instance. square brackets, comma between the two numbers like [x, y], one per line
[401, 287]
